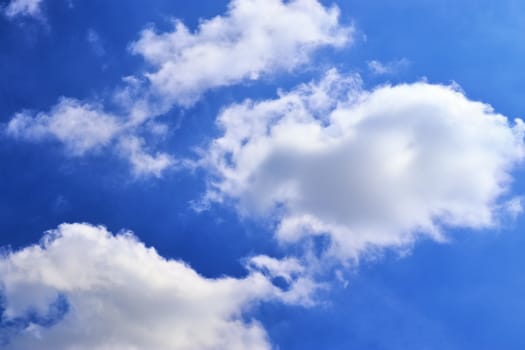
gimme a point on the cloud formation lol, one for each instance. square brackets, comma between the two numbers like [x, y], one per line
[388, 68]
[81, 127]
[252, 39]
[85, 127]
[17, 8]
[84, 288]
[369, 169]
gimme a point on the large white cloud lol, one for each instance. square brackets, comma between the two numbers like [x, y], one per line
[23, 8]
[370, 169]
[123, 295]
[254, 37]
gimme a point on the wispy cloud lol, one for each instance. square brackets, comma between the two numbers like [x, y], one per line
[388, 68]
[96, 42]
[260, 37]
[16, 8]
[115, 293]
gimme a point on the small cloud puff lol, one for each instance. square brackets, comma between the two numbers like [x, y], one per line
[260, 36]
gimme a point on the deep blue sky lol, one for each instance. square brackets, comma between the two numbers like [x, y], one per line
[467, 294]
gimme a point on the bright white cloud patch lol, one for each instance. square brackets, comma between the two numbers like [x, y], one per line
[255, 37]
[23, 8]
[389, 68]
[371, 169]
[81, 127]
[122, 295]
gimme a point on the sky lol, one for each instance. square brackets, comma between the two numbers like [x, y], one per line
[261, 174]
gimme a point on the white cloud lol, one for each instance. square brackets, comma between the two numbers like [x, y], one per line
[23, 8]
[123, 295]
[389, 68]
[142, 162]
[514, 207]
[81, 127]
[254, 38]
[371, 169]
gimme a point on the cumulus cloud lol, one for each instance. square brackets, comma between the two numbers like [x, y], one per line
[254, 38]
[96, 290]
[369, 169]
[30, 8]
[285, 268]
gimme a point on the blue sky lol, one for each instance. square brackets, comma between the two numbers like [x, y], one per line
[371, 203]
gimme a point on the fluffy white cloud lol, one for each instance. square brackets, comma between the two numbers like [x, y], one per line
[255, 37]
[123, 295]
[23, 8]
[81, 127]
[370, 169]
